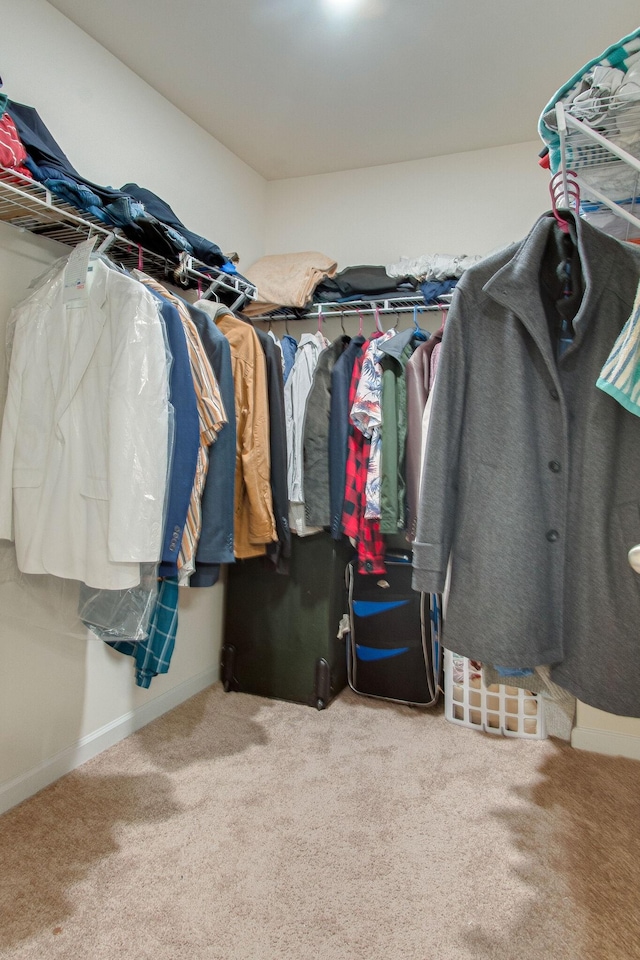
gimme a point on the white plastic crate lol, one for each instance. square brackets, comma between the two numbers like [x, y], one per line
[497, 708]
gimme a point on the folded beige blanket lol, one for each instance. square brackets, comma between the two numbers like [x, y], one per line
[287, 279]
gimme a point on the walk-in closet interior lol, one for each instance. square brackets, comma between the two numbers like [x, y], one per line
[237, 241]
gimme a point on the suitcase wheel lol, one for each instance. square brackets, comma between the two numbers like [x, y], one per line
[227, 665]
[320, 704]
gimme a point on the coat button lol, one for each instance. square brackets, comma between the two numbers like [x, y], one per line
[552, 536]
[554, 466]
[553, 393]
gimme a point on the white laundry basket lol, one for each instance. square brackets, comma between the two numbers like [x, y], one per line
[497, 708]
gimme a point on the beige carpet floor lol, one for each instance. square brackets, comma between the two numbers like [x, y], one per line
[237, 828]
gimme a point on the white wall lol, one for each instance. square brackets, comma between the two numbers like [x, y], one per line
[466, 203]
[64, 696]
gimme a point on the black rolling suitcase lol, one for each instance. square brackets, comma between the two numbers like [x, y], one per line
[281, 632]
[393, 649]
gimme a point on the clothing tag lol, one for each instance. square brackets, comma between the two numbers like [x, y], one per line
[75, 272]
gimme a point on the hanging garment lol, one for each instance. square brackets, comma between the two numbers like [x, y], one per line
[417, 376]
[339, 431]
[316, 464]
[296, 392]
[366, 415]
[280, 551]
[120, 614]
[212, 418]
[83, 449]
[279, 346]
[289, 348]
[153, 654]
[215, 544]
[531, 474]
[395, 354]
[428, 409]
[185, 439]
[620, 375]
[254, 523]
[365, 533]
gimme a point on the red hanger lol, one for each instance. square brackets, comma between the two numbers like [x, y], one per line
[564, 188]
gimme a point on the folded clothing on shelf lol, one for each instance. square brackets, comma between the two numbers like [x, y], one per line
[204, 250]
[360, 282]
[157, 229]
[432, 267]
[433, 289]
[287, 279]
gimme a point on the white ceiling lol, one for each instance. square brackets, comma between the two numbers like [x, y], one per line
[294, 89]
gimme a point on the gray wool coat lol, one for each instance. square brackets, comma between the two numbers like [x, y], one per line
[531, 479]
[317, 509]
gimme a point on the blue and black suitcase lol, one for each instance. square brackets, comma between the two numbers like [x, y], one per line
[393, 650]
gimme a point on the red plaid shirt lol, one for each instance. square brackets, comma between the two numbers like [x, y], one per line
[366, 533]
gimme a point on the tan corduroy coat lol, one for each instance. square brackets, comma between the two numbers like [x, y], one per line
[254, 524]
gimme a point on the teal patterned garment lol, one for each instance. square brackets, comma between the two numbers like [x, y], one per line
[153, 655]
[620, 376]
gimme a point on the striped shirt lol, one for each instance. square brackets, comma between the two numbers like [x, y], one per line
[620, 375]
[212, 417]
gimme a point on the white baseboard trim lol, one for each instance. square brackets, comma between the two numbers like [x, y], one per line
[29, 783]
[605, 741]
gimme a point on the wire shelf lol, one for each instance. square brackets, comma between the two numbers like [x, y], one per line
[29, 206]
[354, 308]
[616, 121]
[602, 146]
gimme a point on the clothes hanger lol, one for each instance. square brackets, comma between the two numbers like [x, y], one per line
[564, 188]
[107, 242]
[210, 294]
[181, 272]
[418, 333]
[361, 324]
